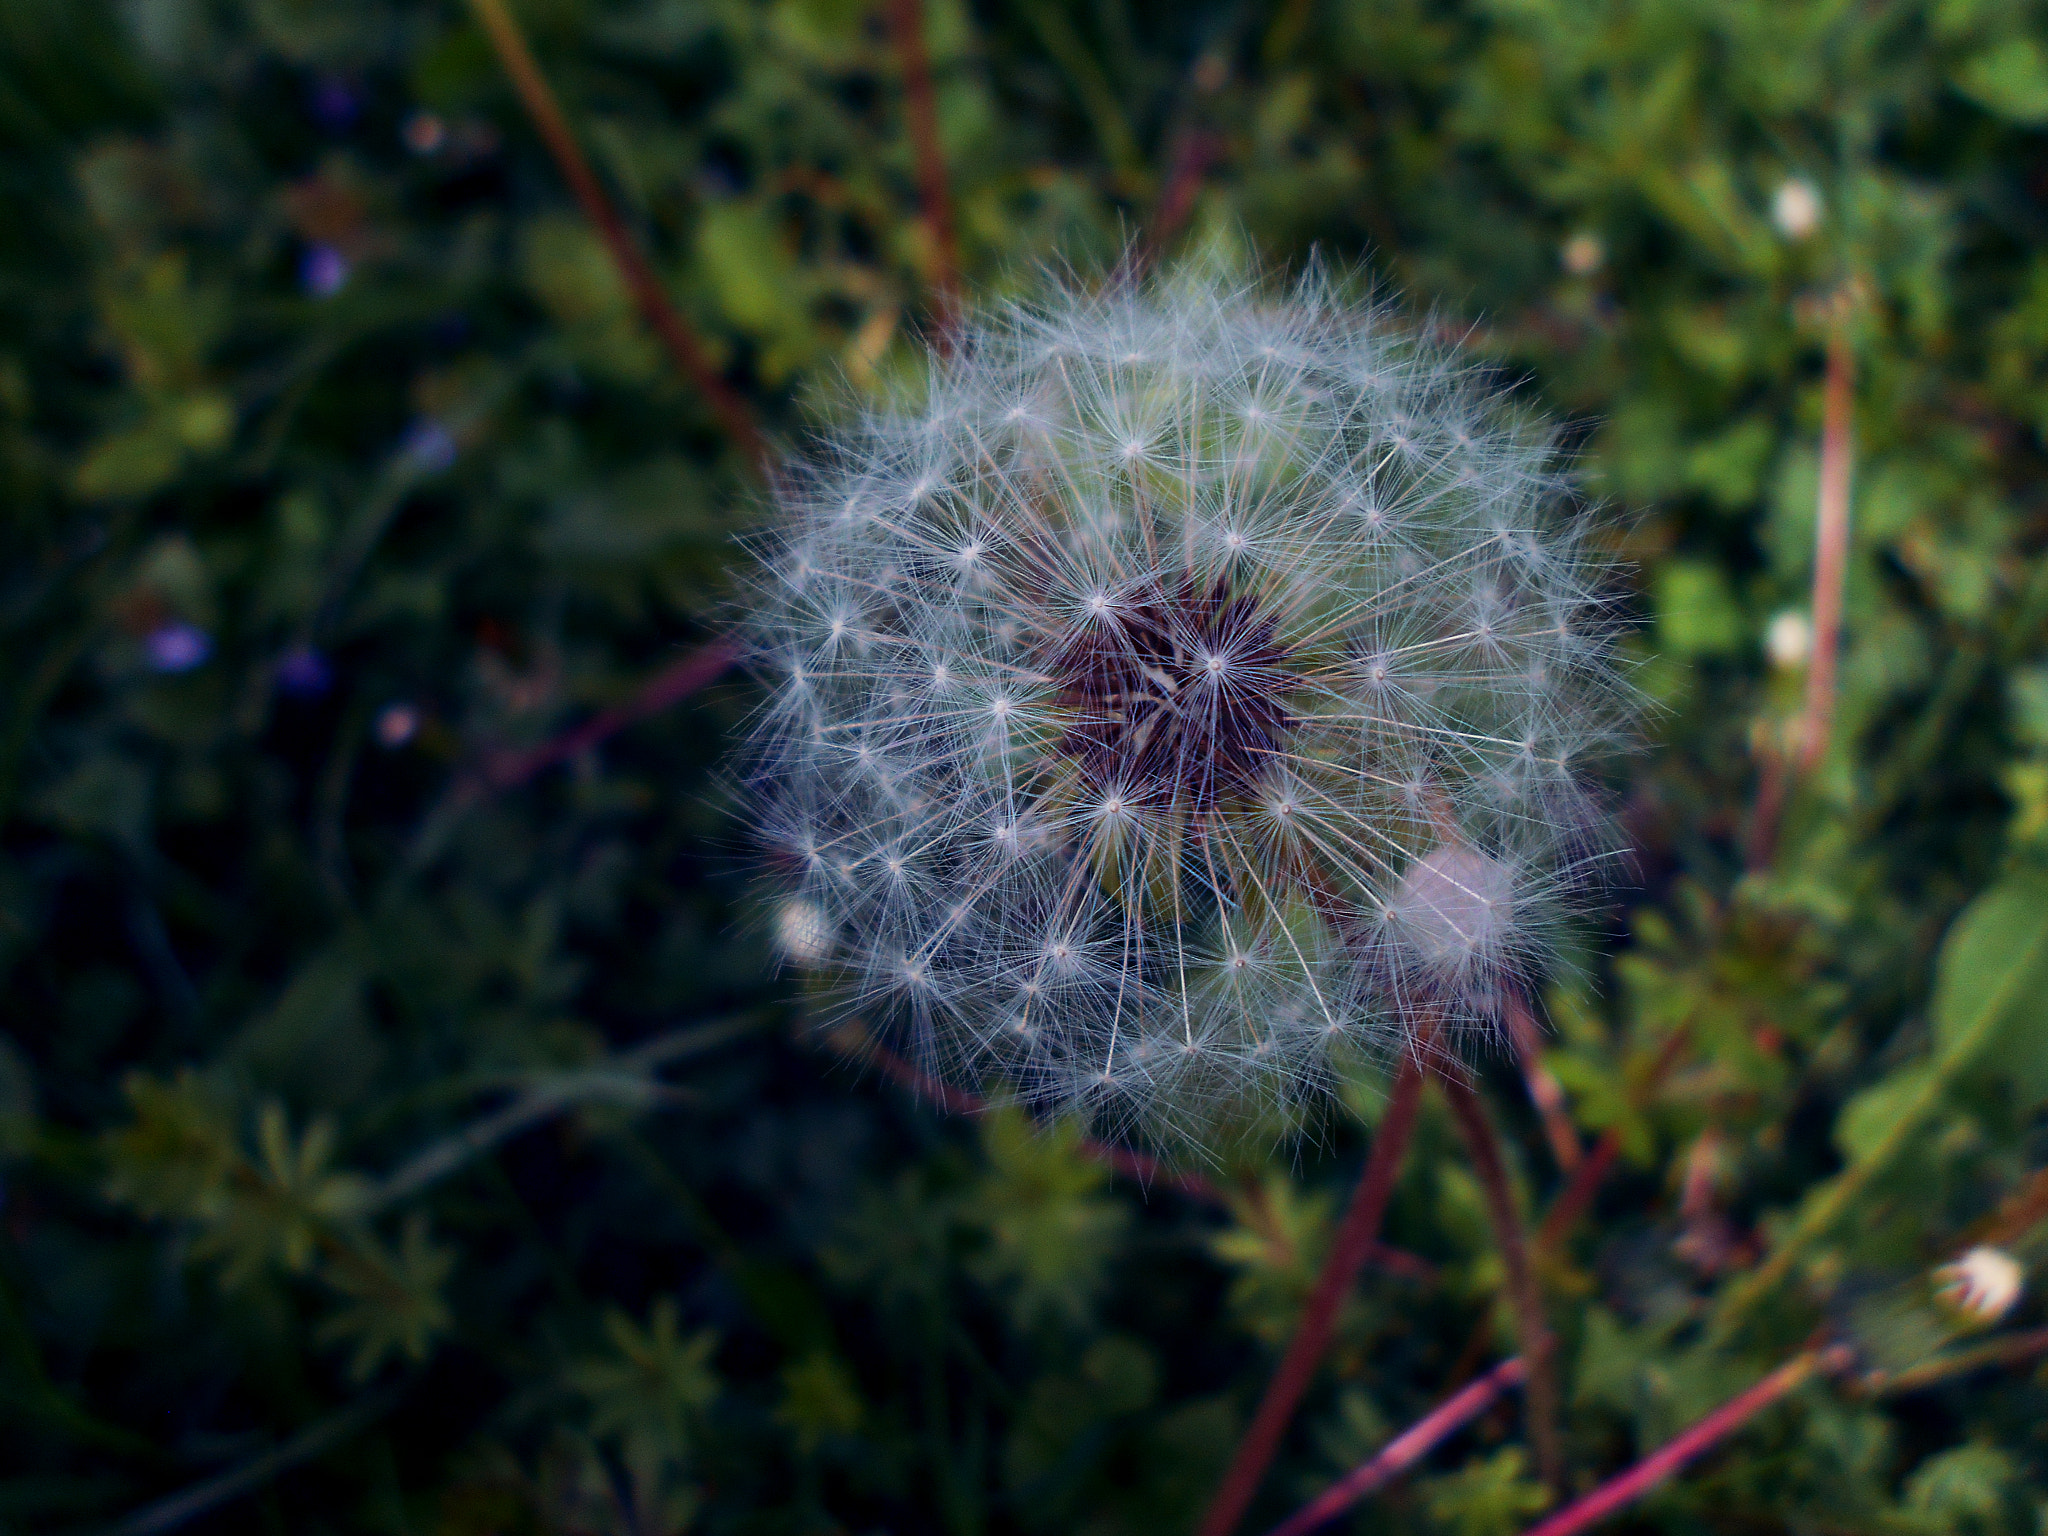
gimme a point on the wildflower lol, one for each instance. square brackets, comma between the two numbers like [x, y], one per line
[428, 446]
[334, 103]
[1788, 639]
[304, 673]
[396, 724]
[1796, 208]
[1983, 1285]
[1193, 683]
[177, 647]
[323, 271]
[1583, 255]
[424, 132]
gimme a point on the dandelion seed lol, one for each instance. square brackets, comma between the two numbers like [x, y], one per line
[1202, 774]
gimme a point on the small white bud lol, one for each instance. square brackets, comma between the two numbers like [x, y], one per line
[1788, 639]
[1796, 208]
[1983, 1285]
[1583, 254]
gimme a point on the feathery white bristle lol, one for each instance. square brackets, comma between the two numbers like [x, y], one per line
[1195, 680]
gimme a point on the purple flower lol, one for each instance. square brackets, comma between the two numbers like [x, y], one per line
[334, 104]
[304, 673]
[323, 271]
[396, 725]
[177, 647]
[424, 133]
[429, 446]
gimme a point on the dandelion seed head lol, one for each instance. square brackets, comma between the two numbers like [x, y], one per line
[1194, 685]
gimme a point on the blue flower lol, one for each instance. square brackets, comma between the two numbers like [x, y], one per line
[429, 446]
[177, 647]
[323, 271]
[304, 673]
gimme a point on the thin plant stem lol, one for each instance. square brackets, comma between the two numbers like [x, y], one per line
[856, 1043]
[1576, 1198]
[1657, 1467]
[2018, 1214]
[1545, 1091]
[1831, 539]
[1760, 844]
[671, 685]
[2013, 1349]
[1541, 1400]
[934, 193]
[684, 347]
[1195, 150]
[316, 1440]
[1829, 1203]
[1348, 1254]
[627, 1078]
[1405, 1449]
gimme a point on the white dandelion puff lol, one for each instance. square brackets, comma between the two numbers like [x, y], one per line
[1197, 680]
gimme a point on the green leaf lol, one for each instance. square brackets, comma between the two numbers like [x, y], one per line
[1697, 614]
[746, 265]
[1991, 985]
[1868, 1118]
[2010, 79]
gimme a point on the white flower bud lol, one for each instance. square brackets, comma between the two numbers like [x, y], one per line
[1796, 208]
[1984, 1284]
[1788, 639]
[1583, 255]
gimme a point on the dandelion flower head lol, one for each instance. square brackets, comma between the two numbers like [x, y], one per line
[1193, 686]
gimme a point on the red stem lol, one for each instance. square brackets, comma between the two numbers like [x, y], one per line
[906, 22]
[1831, 542]
[1700, 1438]
[669, 686]
[1584, 1184]
[685, 350]
[1542, 1397]
[1405, 1449]
[1194, 152]
[1353, 1245]
[1545, 1091]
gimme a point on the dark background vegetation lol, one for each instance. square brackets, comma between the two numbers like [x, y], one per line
[338, 469]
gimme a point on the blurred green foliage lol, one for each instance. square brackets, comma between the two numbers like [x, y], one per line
[387, 1148]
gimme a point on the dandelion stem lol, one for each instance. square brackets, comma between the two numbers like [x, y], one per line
[1538, 1344]
[934, 194]
[1703, 1436]
[1831, 543]
[1354, 1244]
[1404, 1450]
[684, 347]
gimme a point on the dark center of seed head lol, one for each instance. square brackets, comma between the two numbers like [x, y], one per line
[1175, 691]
